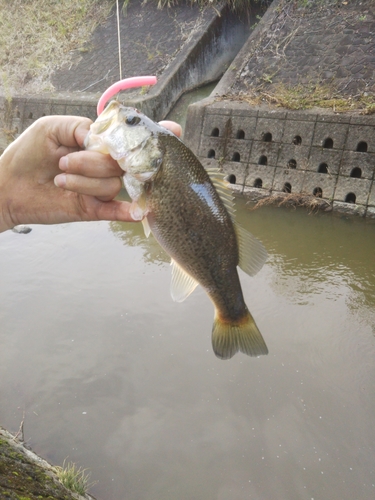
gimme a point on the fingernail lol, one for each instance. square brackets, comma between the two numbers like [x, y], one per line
[63, 163]
[60, 180]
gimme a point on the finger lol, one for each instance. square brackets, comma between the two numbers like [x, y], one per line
[174, 127]
[90, 164]
[67, 131]
[104, 189]
[114, 211]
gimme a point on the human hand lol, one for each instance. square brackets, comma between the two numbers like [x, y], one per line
[34, 191]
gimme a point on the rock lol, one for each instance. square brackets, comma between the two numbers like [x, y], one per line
[21, 229]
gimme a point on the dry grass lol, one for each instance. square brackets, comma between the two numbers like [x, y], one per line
[302, 97]
[312, 203]
[37, 36]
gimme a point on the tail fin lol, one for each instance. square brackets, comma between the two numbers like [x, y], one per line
[227, 339]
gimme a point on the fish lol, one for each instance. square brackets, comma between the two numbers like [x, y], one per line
[191, 213]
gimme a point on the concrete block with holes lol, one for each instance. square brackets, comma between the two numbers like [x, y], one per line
[299, 129]
[330, 135]
[237, 150]
[264, 153]
[321, 185]
[269, 129]
[243, 127]
[288, 181]
[211, 147]
[215, 125]
[352, 190]
[361, 138]
[33, 110]
[82, 110]
[260, 176]
[235, 173]
[358, 165]
[324, 160]
[291, 156]
[371, 198]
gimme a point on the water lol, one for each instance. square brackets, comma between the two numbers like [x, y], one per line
[113, 375]
[108, 372]
[179, 111]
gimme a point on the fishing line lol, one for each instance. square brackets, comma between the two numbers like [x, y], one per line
[119, 38]
[127, 83]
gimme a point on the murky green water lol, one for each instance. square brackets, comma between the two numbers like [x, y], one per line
[179, 112]
[113, 375]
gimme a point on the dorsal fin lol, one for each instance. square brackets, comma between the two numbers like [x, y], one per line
[252, 253]
[221, 186]
[182, 284]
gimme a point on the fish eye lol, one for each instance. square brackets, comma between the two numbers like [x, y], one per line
[132, 120]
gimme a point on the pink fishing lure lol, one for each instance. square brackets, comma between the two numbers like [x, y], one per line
[127, 83]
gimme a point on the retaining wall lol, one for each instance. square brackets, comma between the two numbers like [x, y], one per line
[216, 38]
[263, 151]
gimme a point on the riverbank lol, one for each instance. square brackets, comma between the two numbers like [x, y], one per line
[26, 476]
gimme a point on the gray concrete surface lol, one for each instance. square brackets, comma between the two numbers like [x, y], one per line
[267, 150]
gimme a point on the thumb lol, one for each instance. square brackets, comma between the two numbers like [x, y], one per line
[70, 131]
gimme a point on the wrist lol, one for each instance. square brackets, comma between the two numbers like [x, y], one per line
[4, 224]
[5, 217]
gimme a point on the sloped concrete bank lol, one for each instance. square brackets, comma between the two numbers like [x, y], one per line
[185, 47]
[26, 476]
[266, 150]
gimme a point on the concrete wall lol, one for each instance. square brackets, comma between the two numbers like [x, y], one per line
[202, 59]
[21, 112]
[327, 155]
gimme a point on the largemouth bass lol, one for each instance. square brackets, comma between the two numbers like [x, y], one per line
[190, 212]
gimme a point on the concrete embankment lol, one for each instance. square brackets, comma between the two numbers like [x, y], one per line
[322, 54]
[26, 476]
[185, 47]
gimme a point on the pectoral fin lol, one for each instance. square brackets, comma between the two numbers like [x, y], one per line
[182, 283]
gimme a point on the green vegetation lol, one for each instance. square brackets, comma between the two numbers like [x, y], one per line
[22, 478]
[73, 478]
